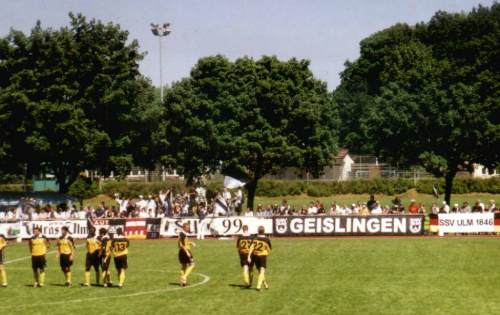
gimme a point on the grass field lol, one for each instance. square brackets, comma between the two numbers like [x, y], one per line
[306, 276]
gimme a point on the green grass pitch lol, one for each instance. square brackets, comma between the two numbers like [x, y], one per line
[306, 276]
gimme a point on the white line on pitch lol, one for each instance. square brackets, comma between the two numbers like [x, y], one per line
[204, 281]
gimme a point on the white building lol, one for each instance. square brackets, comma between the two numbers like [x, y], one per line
[480, 171]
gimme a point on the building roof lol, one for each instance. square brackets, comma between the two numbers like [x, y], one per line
[342, 153]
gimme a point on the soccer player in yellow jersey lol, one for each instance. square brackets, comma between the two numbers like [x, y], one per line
[38, 245]
[66, 251]
[243, 245]
[119, 248]
[259, 250]
[105, 256]
[185, 256]
[92, 259]
[3, 274]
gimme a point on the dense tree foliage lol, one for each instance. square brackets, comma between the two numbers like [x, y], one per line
[247, 119]
[427, 94]
[73, 99]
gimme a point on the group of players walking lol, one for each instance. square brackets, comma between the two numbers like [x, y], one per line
[100, 249]
[253, 250]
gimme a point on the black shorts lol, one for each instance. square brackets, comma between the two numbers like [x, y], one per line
[244, 260]
[92, 260]
[259, 261]
[184, 258]
[2, 257]
[105, 263]
[121, 262]
[65, 262]
[38, 262]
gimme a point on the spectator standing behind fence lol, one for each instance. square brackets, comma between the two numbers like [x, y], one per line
[397, 204]
[492, 206]
[312, 210]
[151, 206]
[284, 208]
[371, 203]
[122, 203]
[141, 203]
[445, 208]
[333, 209]
[100, 212]
[364, 210]
[238, 201]
[377, 209]
[477, 207]
[422, 209]
[465, 207]
[249, 213]
[226, 194]
[413, 207]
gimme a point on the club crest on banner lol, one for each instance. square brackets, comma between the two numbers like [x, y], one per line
[281, 225]
[415, 225]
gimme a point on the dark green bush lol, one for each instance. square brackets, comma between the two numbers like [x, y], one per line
[274, 188]
[134, 189]
[83, 188]
[277, 188]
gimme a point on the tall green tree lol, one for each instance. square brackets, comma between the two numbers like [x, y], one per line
[248, 118]
[73, 99]
[428, 94]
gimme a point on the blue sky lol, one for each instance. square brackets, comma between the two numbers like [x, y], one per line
[325, 32]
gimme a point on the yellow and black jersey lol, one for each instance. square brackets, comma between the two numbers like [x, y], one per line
[183, 241]
[243, 244]
[119, 246]
[65, 245]
[3, 243]
[261, 246]
[105, 248]
[39, 245]
[93, 245]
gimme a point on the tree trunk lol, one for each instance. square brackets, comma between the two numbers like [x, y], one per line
[64, 180]
[63, 186]
[252, 185]
[251, 188]
[450, 175]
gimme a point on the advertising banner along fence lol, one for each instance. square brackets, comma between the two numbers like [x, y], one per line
[216, 226]
[142, 228]
[466, 222]
[349, 225]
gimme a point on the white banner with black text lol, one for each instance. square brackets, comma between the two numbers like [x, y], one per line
[216, 226]
[466, 222]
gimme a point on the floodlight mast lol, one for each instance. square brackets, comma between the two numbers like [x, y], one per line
[160, 31]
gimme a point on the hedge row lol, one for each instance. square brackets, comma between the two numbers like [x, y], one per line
[375, 186]
[140, 188]
[275, 188]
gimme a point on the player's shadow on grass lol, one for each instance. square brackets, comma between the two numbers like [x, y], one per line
[57, 285]
[241, 286]
[175, 283]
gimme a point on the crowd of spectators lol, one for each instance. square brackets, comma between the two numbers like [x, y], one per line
[195, 204]
[371, 207]
[164, 204]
